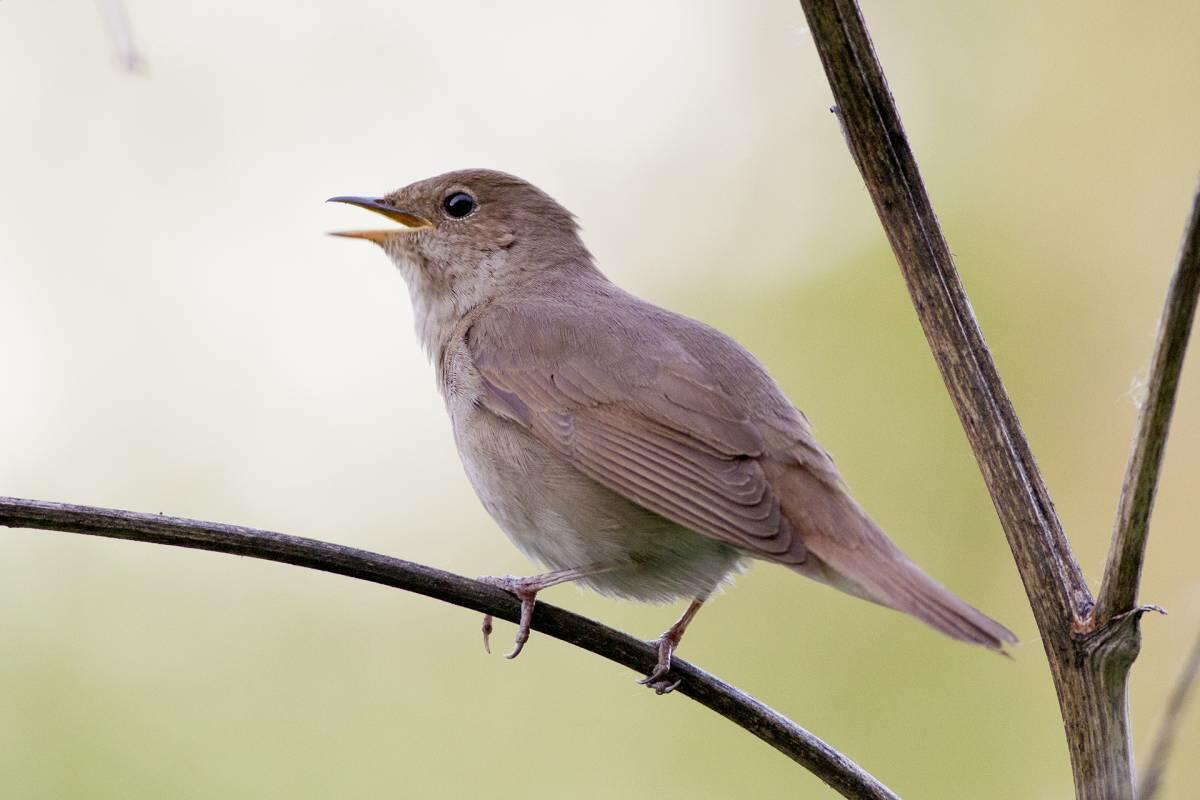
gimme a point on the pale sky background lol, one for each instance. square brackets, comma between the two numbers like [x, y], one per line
[178, 335]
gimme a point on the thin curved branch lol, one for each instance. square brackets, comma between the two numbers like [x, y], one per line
[828, 764]
[1156, 765]
[1123, 572]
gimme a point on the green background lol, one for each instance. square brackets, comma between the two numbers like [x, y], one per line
[177, 336]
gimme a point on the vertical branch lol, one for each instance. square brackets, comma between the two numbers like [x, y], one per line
[1123, 572]
[1052, 578]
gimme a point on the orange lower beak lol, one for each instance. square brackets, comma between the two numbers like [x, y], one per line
[378, 237]
[408, 219]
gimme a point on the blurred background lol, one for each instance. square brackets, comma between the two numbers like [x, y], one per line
[177, 335]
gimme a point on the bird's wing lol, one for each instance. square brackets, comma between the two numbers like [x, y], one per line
[636, 412]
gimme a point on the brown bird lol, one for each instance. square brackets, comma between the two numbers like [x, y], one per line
[625, 447]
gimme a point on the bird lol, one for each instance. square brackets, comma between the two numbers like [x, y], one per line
[624, 447]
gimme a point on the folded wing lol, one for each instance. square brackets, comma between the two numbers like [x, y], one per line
[680, 419]
[657, 430]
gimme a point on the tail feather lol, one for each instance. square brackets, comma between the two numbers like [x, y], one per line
[849, 551]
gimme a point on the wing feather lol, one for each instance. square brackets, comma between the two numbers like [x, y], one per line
[661, 432]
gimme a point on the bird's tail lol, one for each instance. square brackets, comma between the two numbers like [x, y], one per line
[849, 551]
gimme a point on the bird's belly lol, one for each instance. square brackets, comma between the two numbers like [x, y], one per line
[561, 518]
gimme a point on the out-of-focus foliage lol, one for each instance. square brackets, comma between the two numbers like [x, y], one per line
[177, 336]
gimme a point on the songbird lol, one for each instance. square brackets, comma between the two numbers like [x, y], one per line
[625, 447]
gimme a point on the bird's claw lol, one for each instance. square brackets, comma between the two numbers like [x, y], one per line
[519, 587]
[487, 633]
[657, 679]
[662, 686]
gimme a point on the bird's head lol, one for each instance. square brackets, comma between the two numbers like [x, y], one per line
[471, 232]
[469, 237]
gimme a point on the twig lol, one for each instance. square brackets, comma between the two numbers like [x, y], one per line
[1156, 765]
[1123, 573]
[120, 31]
[828, 764]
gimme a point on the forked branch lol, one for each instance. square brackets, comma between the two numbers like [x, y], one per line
[842, 774]
[1089, 654]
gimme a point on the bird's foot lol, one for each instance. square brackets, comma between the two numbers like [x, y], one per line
[657, 679]
[672, 636]
[526, 590]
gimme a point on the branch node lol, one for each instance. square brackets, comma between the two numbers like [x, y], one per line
[1140, 610]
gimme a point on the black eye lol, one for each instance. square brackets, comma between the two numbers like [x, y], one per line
[459, 204]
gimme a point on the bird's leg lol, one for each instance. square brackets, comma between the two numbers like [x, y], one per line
[526, 590]
[657, 680]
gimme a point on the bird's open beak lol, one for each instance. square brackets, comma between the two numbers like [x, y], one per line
[405, 218]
